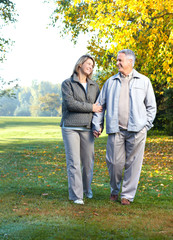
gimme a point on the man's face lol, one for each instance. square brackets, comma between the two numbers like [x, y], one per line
[124, 64]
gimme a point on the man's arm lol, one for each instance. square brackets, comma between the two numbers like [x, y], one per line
[150, 103]
[98, 118]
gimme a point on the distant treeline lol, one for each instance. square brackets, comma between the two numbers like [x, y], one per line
[41, 99]
[44, 99]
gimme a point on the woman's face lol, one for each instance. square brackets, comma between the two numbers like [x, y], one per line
[87, 67]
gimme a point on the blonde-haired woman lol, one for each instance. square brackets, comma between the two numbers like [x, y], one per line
[79, 94]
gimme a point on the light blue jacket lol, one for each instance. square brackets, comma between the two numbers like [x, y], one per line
[142, 104]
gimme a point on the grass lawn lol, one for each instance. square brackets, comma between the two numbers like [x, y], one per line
[34, 193]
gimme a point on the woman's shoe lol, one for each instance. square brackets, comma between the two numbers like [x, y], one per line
[89, 195]
[79, 201]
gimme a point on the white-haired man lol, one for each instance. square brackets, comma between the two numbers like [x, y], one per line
[129, 101]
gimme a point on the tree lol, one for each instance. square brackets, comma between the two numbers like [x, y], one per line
[9, 92]
[166, 115]
[50, 103]
[8, 106]
[23, 108]
[144, 26]
[7, 16]
[40, 98]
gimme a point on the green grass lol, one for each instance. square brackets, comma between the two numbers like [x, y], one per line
[34, 194]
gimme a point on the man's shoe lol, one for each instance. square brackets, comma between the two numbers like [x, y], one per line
[79, 201]
[125, 201]
[114, 197]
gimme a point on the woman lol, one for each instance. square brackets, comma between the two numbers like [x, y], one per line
[79, 94]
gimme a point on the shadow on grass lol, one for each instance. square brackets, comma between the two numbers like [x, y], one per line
[64, 228]
[28, 124]
[18, 144]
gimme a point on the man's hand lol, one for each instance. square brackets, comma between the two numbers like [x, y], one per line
[97, 108]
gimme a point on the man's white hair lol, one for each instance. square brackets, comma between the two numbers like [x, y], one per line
[130, 55]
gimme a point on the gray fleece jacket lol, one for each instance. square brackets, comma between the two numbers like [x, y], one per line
[76, 103]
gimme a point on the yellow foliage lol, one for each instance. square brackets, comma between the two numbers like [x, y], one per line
[145, 26]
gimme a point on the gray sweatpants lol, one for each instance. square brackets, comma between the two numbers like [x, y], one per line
[125, 149]
[79, 149]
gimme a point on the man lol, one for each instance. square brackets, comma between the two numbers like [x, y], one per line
[129, 101]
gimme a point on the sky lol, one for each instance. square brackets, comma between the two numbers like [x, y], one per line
[39, 53]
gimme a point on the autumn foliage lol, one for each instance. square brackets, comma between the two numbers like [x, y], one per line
[145, 26]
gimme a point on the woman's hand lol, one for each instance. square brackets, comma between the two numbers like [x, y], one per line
[97, 108]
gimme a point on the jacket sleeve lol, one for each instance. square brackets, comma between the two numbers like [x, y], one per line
[151, 108]
[72, 104]
[98, 118]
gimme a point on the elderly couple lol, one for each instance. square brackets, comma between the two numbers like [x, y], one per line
[129, 102]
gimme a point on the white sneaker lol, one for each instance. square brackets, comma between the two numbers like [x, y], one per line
[79, 201]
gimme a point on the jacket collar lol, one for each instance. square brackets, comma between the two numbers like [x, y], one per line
[76, 79]
[117, 76]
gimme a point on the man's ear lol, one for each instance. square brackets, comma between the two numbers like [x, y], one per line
[131, 61]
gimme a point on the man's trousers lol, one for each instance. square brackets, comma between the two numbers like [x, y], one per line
[79, 149]
[125, 150]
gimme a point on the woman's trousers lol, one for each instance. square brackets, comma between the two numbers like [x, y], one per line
[79, 149]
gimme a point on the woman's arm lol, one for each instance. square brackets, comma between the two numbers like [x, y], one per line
[74, 105]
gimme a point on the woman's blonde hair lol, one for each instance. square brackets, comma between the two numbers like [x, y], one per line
[80, 61]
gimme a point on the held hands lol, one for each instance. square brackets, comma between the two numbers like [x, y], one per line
[97, 134]
[97, 108]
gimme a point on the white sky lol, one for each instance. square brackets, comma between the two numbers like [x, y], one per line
[39, 53]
